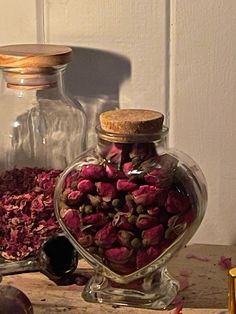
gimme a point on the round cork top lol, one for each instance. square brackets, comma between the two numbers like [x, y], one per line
[34, 55]
[131, 121]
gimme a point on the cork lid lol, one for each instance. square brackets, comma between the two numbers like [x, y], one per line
[34, 55]
[131, 121]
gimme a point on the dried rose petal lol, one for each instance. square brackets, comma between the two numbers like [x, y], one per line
[93, 172]
[179, 308]
[106, 236]
[199, 258]
[85, 186]
[145, 195]
[118, 255]
[177, 202]
[146, 221]
[153, 235]
[106, 190]
[125, 185]
[225, 262]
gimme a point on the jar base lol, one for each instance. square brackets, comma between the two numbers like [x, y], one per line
[155, 291]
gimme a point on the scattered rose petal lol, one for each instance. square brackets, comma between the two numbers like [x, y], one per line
[183, 281]
[179, 308]
[199, 258]
[225, 262]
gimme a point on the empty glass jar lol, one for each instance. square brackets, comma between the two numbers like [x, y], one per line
[41, 131]
[128, 205]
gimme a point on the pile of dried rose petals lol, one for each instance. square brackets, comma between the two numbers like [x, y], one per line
[26, 211]
[129, 207]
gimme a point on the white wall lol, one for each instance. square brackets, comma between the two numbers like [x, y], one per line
[122, 50]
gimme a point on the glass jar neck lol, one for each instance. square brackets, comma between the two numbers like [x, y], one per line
[34, 78]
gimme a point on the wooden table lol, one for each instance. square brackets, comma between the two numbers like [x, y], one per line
[206, 293]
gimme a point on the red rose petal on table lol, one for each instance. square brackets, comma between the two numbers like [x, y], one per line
[225, 262]
[199, 258]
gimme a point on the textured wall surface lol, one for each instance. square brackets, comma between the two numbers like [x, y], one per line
[176, 56]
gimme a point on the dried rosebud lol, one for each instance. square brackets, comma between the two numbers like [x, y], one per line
[106, 236]
[118, 153]
[118, 255]
[85, 186]
[136, 243]
[152, 235]
[128, 167]
[116, 203]
[132, 219]
[177, 202]
[71, 218]
[125, 237]
[140, 209]
[146, 195]
[113, 173]
[123, 269]
[93, 172]
[85, 240]
[106, 190]
[95, 200]
[146, 256]
[153, 211]
[146, 221]
[125, 185]
[74, 197]
[88, 209]
[97, 219]
[121, 221]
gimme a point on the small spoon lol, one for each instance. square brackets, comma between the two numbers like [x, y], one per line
[56, 258]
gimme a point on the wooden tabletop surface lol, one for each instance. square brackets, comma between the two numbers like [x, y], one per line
[205, 286]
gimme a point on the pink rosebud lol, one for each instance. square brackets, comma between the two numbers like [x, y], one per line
[146, 221]
[153, 211]
[146, 195]
[177, 202]
[125, 237]
[125, 185]
[128, 168]
[74, 197]
[93, 172]
[146, 256]
[121, 221]
[97, 219]
[113, 173]
[106, 190]
[123, 269]
[71, 219]
[85, 186]
[118, 153]
[84, 239]
[106, 236]
[153, 235]
[118, 255]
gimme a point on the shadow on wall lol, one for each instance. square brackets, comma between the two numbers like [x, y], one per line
[94, 79]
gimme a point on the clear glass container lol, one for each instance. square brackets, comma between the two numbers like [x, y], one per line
[41, 131]
[128, 205]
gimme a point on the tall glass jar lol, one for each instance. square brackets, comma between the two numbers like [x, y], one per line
[128, 205]
[41, 131]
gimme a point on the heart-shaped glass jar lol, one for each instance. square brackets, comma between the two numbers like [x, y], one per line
[128, 205]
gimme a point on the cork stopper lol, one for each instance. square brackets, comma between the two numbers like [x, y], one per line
[131, 121]
[34, 55]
